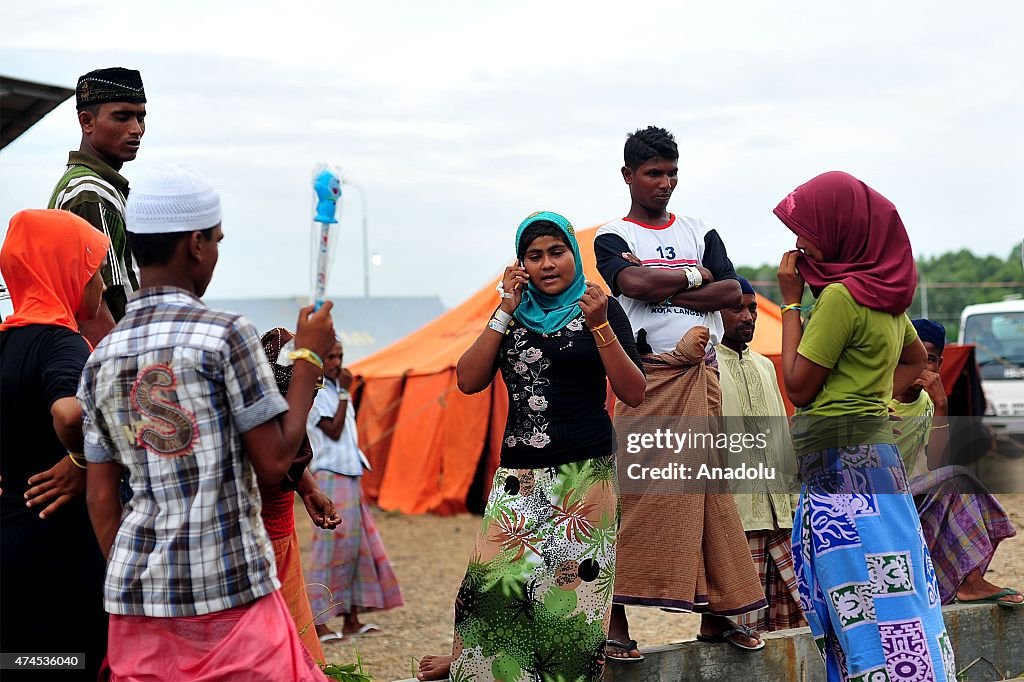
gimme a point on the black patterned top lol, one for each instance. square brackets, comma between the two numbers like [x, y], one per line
[556, 392]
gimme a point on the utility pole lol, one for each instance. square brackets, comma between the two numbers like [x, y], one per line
[366, 236]
[924, 294]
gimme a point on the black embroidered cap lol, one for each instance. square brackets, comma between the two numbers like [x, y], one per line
[115, 84]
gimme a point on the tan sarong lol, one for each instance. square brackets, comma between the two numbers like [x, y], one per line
[683, 550]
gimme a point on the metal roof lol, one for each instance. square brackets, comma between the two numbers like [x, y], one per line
[365, 325]
[23, 103]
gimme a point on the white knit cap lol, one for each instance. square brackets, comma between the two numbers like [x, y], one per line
[172, 198]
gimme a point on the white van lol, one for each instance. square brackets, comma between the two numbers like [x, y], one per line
[997, 332]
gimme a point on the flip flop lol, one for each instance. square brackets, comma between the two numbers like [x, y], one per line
[725, 638]
[367, 629]
[627, 647]
[996, 599]
[332, 636]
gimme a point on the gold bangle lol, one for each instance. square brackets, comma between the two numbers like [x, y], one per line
[608, 343]
[307, 355]
[944, 426]
[75, 461]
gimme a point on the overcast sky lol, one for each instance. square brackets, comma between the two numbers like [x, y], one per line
[460, 118]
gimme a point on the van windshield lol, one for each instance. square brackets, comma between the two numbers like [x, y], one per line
[999, 337]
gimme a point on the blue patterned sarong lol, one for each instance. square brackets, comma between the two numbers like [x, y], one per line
[866, 581]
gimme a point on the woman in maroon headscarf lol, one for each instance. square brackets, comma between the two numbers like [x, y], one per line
[866, 580]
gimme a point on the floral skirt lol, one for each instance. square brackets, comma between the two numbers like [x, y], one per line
[536, 599]
[866, 580]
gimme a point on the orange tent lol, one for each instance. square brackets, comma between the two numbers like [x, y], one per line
[426, 441]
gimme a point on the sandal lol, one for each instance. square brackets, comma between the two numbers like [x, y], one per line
[726, 637]
[368, 628]
[996, 598]
[333, 636]
[629, 647]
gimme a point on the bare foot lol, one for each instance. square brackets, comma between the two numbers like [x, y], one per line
[434, 667]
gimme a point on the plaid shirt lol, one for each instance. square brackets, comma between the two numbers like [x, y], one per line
[168, 394]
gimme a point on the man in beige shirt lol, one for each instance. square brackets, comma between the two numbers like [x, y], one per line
[752, 404]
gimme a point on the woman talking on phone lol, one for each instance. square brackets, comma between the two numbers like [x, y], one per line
[537, 593]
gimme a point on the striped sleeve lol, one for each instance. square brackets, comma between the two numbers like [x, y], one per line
[93, 199]
[94, 212]
[91, 188]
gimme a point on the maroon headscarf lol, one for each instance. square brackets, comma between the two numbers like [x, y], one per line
[861, 237]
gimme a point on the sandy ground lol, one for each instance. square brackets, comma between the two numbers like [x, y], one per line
[429, 555]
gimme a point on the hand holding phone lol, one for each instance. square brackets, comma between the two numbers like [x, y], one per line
[513, 281]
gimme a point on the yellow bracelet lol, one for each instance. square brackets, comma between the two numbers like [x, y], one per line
[307, 355]
[608, 343]
[596, 330]
[791, 306]
[75, 461]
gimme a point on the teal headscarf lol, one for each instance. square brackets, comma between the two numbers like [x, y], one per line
[538, 311]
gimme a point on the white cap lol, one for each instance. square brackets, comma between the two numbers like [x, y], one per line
[172, 198]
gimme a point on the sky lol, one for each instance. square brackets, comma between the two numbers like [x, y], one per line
[460, 118]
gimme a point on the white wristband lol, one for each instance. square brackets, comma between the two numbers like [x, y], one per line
[503, 317]
[501, 290]
[496, 325]
[693, 278]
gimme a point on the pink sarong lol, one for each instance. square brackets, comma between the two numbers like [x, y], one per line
[257, 641]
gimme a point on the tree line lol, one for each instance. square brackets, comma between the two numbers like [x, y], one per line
[946, 284]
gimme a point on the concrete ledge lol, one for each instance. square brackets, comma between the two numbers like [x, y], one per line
[988, 642]
[988, 636]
